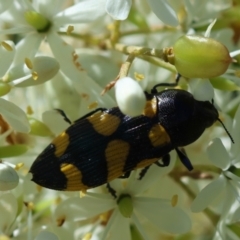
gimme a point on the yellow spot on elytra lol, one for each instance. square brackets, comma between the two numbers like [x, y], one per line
[174, 200]
[150, 109]
[29, 110]
[93, 105]
[146, 162]
[28, 63]
[61, 143]
[138, 76]
[74, 177]
[104, 123]
[116, 155]
[158, 136]
[70, 29]
[7, 46]
[34, 75]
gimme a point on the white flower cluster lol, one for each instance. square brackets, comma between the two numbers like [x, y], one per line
[62, 54]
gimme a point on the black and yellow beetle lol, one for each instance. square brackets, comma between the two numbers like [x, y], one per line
[106, 144]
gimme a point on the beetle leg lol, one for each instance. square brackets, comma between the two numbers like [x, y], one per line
[64, 115]
[111, 191]
[184, 159]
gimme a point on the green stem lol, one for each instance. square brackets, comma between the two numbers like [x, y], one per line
[126, 66]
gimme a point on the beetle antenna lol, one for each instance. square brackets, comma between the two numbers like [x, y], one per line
[229, 135]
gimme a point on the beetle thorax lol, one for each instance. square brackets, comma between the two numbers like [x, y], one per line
[183, 117]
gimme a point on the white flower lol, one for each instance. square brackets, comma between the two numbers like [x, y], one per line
[227, 184]
[130, 202]
[39, 21]
[35, 72]
[119, 10]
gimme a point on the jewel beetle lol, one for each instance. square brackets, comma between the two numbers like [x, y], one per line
[106, 144]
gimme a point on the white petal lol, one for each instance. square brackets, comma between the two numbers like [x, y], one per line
[82, 12]
[154, 173]
[17, 30]
[76, 208]
[201, 89]
[164, 12]
[55, 121]
[8, 209]
[235, 133]
[8, 178]
[218, 155]
[27, 47]
[118, 9]
[235, 53]
[208, 194]
[46, 235]
[15, 116]
[208, 31]
[45, 67]
[236, 215]
[50, 10]
[71, 67]
[120, 228]
[160, 213]
[230, 196]
[4, 5]
[139, 227]
[130, 97]
[6, 57]
[232, 176]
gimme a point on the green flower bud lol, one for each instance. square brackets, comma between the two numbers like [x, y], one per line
[39, 128]
[4, 88]
[125, 205]
[199, 57]
[37, 20]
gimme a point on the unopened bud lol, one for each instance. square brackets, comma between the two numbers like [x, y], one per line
[130, 97]
[199, 57]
